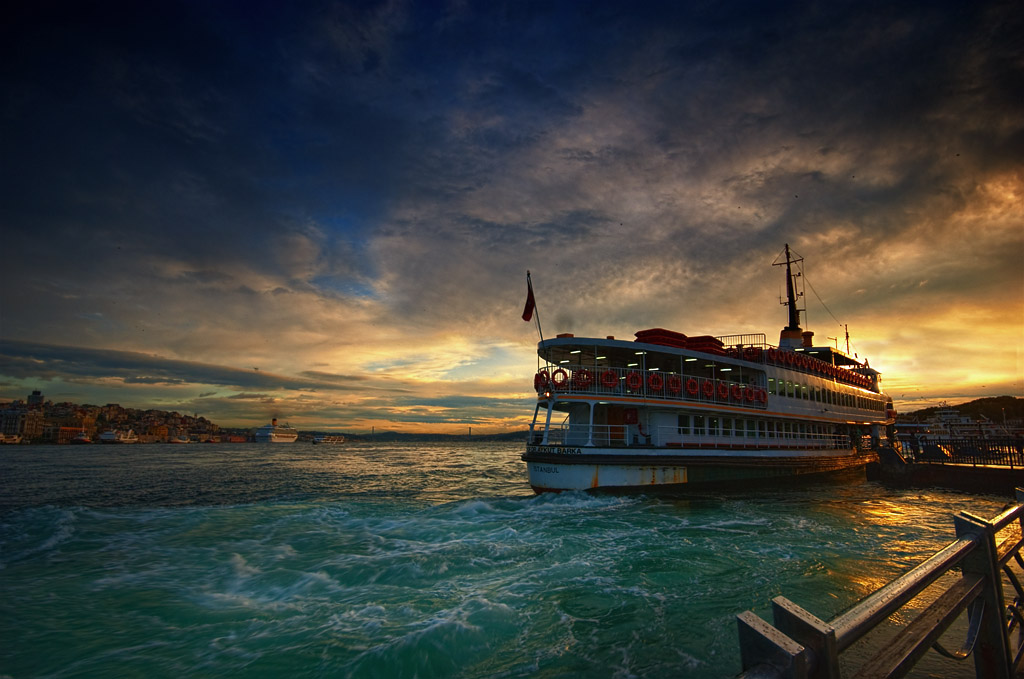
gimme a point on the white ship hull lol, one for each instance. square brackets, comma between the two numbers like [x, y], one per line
[277, 437]
[555, 468]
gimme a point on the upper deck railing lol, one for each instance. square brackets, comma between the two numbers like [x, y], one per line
[799, 645]
[610, 382]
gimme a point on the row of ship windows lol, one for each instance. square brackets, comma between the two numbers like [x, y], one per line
[823, 395]
[706, 425]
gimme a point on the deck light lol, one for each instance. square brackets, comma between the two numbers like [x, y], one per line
[600, 358]
[632, 365]
[650, 369]
[689, 359]
[575, 352]
[639, 353]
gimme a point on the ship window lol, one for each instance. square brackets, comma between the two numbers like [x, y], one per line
[684, 424]
[713, 426]
[698, 425]
[727, 426]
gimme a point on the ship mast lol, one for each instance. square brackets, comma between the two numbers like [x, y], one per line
[794, 312]
[792, 335]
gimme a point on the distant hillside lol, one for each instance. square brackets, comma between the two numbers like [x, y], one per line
[989, 408]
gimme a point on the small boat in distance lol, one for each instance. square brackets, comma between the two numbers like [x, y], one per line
[276, 433]
[80, 438]
[329, 438]
[668, 410]
[115, 436]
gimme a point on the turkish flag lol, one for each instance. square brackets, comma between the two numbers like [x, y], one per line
[530, 303]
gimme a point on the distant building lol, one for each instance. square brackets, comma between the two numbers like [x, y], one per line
[22, 422]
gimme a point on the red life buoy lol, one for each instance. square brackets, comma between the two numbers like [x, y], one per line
[541, 379]
[708, 388]
[634, 381]
[737, 392]
[582, 379]
[675, 384]
[750, 394]
[773, 355]
[762, 395]
[691, 386]
[559, 383]
[655, 382]
[609, 379]
[723, 390]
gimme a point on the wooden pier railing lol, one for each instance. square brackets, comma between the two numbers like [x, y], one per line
[800, 646]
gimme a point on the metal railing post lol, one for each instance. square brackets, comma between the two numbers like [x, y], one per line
[992, 651]
[816, 635]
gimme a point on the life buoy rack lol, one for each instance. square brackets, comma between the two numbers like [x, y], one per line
[655, 382]
[692, 387]
[559, 383]
[675, 384]
[582, 379]
[708, 389]
[634, 381]
[609, 379]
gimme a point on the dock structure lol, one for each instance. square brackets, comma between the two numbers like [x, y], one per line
[987, 465]
[798, 645]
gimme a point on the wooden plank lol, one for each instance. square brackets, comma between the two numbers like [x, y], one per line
[900, 655]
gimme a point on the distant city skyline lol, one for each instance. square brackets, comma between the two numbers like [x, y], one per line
[324, 212]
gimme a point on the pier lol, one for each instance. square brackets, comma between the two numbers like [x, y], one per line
[986, 465]
[973, 574]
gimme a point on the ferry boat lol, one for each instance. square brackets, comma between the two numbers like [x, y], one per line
[329, 438]
[275, 433]
[675, 411]
[115, 436]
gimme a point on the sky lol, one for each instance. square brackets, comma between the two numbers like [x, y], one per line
[325, 212]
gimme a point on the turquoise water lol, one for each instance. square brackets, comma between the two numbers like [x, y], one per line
[414, 560]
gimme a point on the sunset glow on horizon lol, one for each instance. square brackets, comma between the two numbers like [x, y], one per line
[324, 212]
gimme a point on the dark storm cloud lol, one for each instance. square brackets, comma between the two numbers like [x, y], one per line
[26, 360]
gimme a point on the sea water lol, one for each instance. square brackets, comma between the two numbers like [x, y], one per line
[416, 560]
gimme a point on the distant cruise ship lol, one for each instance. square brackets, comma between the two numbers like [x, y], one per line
[275, 433]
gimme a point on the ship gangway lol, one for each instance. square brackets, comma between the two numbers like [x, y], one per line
[798, 645]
